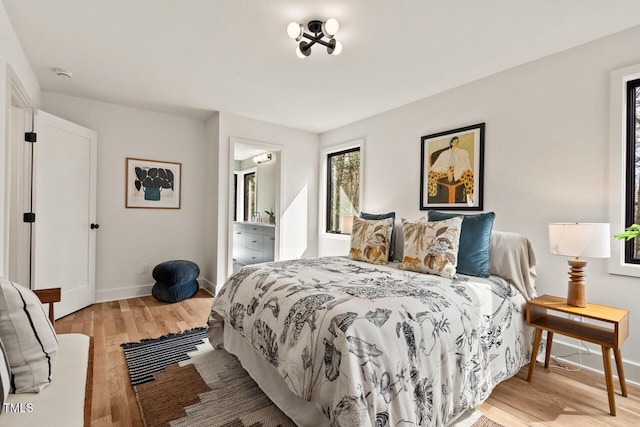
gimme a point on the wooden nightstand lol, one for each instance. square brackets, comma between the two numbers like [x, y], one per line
[612, 337]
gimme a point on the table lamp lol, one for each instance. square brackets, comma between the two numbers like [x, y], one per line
[588, 240]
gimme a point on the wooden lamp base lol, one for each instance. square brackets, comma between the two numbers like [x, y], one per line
[577, 292]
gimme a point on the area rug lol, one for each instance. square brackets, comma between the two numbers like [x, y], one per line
[150, 356]
[210, 388]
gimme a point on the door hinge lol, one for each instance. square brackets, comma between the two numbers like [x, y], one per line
[30, 136]
[29, 217]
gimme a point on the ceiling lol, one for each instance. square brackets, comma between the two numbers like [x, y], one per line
[195, 57]
[243, 152]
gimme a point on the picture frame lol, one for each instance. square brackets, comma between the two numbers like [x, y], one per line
[452, 169]
[153, 184]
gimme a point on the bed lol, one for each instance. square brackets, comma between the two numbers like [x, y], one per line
[333, 341]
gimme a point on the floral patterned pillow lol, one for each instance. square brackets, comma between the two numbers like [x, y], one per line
[431, 247]
[370, 240]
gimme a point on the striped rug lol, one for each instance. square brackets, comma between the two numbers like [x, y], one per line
[150, 356]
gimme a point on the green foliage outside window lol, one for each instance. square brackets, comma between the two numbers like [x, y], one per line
[343, 199]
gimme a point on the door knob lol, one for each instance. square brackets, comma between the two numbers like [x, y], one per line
[93, 226]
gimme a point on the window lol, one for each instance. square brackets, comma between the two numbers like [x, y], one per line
[235, 196]
[624, 178]
[632, 187]
[249, 195]
[343, 190]
[244, 192]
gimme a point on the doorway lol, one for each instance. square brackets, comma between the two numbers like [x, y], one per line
[254, 202]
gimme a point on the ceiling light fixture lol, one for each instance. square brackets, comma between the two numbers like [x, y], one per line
[320, 30]
[261, 158]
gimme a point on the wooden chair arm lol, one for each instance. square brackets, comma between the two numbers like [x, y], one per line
[49, 296]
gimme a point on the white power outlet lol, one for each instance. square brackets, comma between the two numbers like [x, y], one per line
[144, 269]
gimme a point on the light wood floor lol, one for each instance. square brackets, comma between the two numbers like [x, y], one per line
[117, 322]
[553, 398]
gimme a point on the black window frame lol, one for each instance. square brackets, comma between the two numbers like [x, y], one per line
[630, 166]
[235, 196]
[246, 202]
[330, 189]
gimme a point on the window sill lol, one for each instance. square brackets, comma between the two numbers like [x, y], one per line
[623, 269]
[335, 236]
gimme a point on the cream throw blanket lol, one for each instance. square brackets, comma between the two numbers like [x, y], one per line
[513, 259]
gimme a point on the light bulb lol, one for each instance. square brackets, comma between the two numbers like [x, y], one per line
[294, 30]
[330, 27]
[338, 49]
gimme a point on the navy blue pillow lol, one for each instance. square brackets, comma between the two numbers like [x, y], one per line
[475, 236]
[378, 217]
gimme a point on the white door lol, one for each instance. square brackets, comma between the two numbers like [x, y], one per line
[65, 166]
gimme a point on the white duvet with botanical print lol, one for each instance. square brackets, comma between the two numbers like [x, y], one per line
[374, 345]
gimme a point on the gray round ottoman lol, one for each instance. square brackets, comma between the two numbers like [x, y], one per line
[175, 280]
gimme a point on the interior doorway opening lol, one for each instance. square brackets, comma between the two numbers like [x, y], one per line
[255, 209]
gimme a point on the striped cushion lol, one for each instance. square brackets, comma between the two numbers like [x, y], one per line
[29, 339]
[5, 376]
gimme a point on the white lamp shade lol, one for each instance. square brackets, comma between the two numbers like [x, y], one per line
[330, 27]
[588, 240]
[294, 30]
[338, 49]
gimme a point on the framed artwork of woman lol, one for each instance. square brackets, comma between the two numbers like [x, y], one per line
[451, 169]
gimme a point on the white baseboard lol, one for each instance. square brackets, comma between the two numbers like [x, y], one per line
[593, 361]
[208, 286]
[142, 291]
[123, 293]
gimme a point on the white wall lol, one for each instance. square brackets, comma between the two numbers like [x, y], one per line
[299, 197]
[127, 238]
[546, 154]
[266, 193]
[13, 63]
